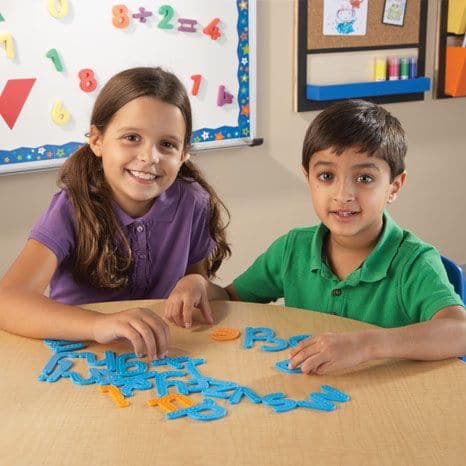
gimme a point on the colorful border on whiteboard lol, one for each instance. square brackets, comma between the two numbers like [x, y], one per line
[204, 135]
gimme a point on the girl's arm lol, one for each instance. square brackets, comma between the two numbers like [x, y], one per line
[24, 310]
[194, 290]
[442, 337]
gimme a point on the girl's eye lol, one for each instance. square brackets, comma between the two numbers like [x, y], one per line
[365, 179]
[169, 145]
[132, 138]
[325, 176]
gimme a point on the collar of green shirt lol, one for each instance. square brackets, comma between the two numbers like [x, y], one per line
[375, 267]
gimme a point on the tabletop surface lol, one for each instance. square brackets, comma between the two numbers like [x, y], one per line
[400, 412]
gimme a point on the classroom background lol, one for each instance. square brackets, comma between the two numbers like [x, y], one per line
[263, 186]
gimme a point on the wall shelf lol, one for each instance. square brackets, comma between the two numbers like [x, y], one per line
[379, 38]
[450, 62]
[367, 89]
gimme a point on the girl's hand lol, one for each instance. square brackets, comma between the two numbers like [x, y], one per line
[146, 331]
[189, 293]
[329, 352]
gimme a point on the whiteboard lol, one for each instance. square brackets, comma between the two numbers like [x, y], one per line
[44, 112]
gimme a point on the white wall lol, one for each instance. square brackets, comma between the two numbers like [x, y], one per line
[263, 186]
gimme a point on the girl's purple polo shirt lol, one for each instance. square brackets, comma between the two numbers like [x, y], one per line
[172, 235]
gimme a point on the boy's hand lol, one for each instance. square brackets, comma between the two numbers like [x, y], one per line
[146, 331]
[329, 352]
[189, 293]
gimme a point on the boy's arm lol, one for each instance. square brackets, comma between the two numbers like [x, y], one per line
[442, 337]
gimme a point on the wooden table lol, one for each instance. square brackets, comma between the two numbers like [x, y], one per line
[400, 412]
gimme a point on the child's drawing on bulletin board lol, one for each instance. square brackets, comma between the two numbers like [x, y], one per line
[345, 17]
[55, 55]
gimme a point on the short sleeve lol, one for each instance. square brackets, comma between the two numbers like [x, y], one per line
[262, 282]
[201, 244]
[55, 228]
[425, 286]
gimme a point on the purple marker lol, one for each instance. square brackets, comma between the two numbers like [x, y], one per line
[412, 67]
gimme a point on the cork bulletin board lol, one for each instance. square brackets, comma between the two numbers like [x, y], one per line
[323, 57]
[378, 34]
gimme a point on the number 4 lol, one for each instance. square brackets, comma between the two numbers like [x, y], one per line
[212, 29]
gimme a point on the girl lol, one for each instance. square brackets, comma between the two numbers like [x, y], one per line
[133, 216]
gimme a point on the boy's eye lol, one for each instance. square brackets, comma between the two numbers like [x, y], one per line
[365, 179]
[325, 176]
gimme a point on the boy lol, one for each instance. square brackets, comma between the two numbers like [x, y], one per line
[358, 262]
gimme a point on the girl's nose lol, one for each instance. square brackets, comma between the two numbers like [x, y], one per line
[150, 155]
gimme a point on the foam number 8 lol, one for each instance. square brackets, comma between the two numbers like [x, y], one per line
[120, 16]
[167, 12]
[60, 115]
[87, 82]
[58, 12]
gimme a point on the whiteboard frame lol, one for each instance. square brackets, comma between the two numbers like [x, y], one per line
[28, 159]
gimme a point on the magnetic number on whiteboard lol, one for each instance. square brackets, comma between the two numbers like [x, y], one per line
[212, 29]
[60, 115]
[53, 55]
[58, 8]
[120, 16]
[167, 12]
[8, 41]
[87, 82]
[196, 83]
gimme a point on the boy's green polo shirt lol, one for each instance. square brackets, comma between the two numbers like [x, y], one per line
[401, 282]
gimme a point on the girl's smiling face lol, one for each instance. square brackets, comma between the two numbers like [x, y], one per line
[142, 149]
[350, 192]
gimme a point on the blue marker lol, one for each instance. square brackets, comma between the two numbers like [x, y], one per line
[412, 67]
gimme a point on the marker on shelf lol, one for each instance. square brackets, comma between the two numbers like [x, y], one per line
[404, 67]
[380, 69]
[412, 67]
[393, 68]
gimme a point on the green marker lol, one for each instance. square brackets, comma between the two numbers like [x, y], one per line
[404, 68]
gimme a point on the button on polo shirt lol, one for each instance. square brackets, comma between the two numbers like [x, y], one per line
[171, 236]
[401, 282]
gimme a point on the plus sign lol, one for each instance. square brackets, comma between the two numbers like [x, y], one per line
[143, 13]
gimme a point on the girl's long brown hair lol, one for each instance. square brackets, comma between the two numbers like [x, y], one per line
[103, 256]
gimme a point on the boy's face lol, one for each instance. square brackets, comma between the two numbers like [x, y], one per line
[350, 192]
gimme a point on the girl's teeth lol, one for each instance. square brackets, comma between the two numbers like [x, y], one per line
[142, 175]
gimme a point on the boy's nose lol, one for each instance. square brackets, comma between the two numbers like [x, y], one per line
[344, 192]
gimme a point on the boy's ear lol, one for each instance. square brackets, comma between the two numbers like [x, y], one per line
[95, 141]
[396, 186]
[305, 172]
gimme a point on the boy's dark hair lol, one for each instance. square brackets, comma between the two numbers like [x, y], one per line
[361, 124]
[103, 255]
